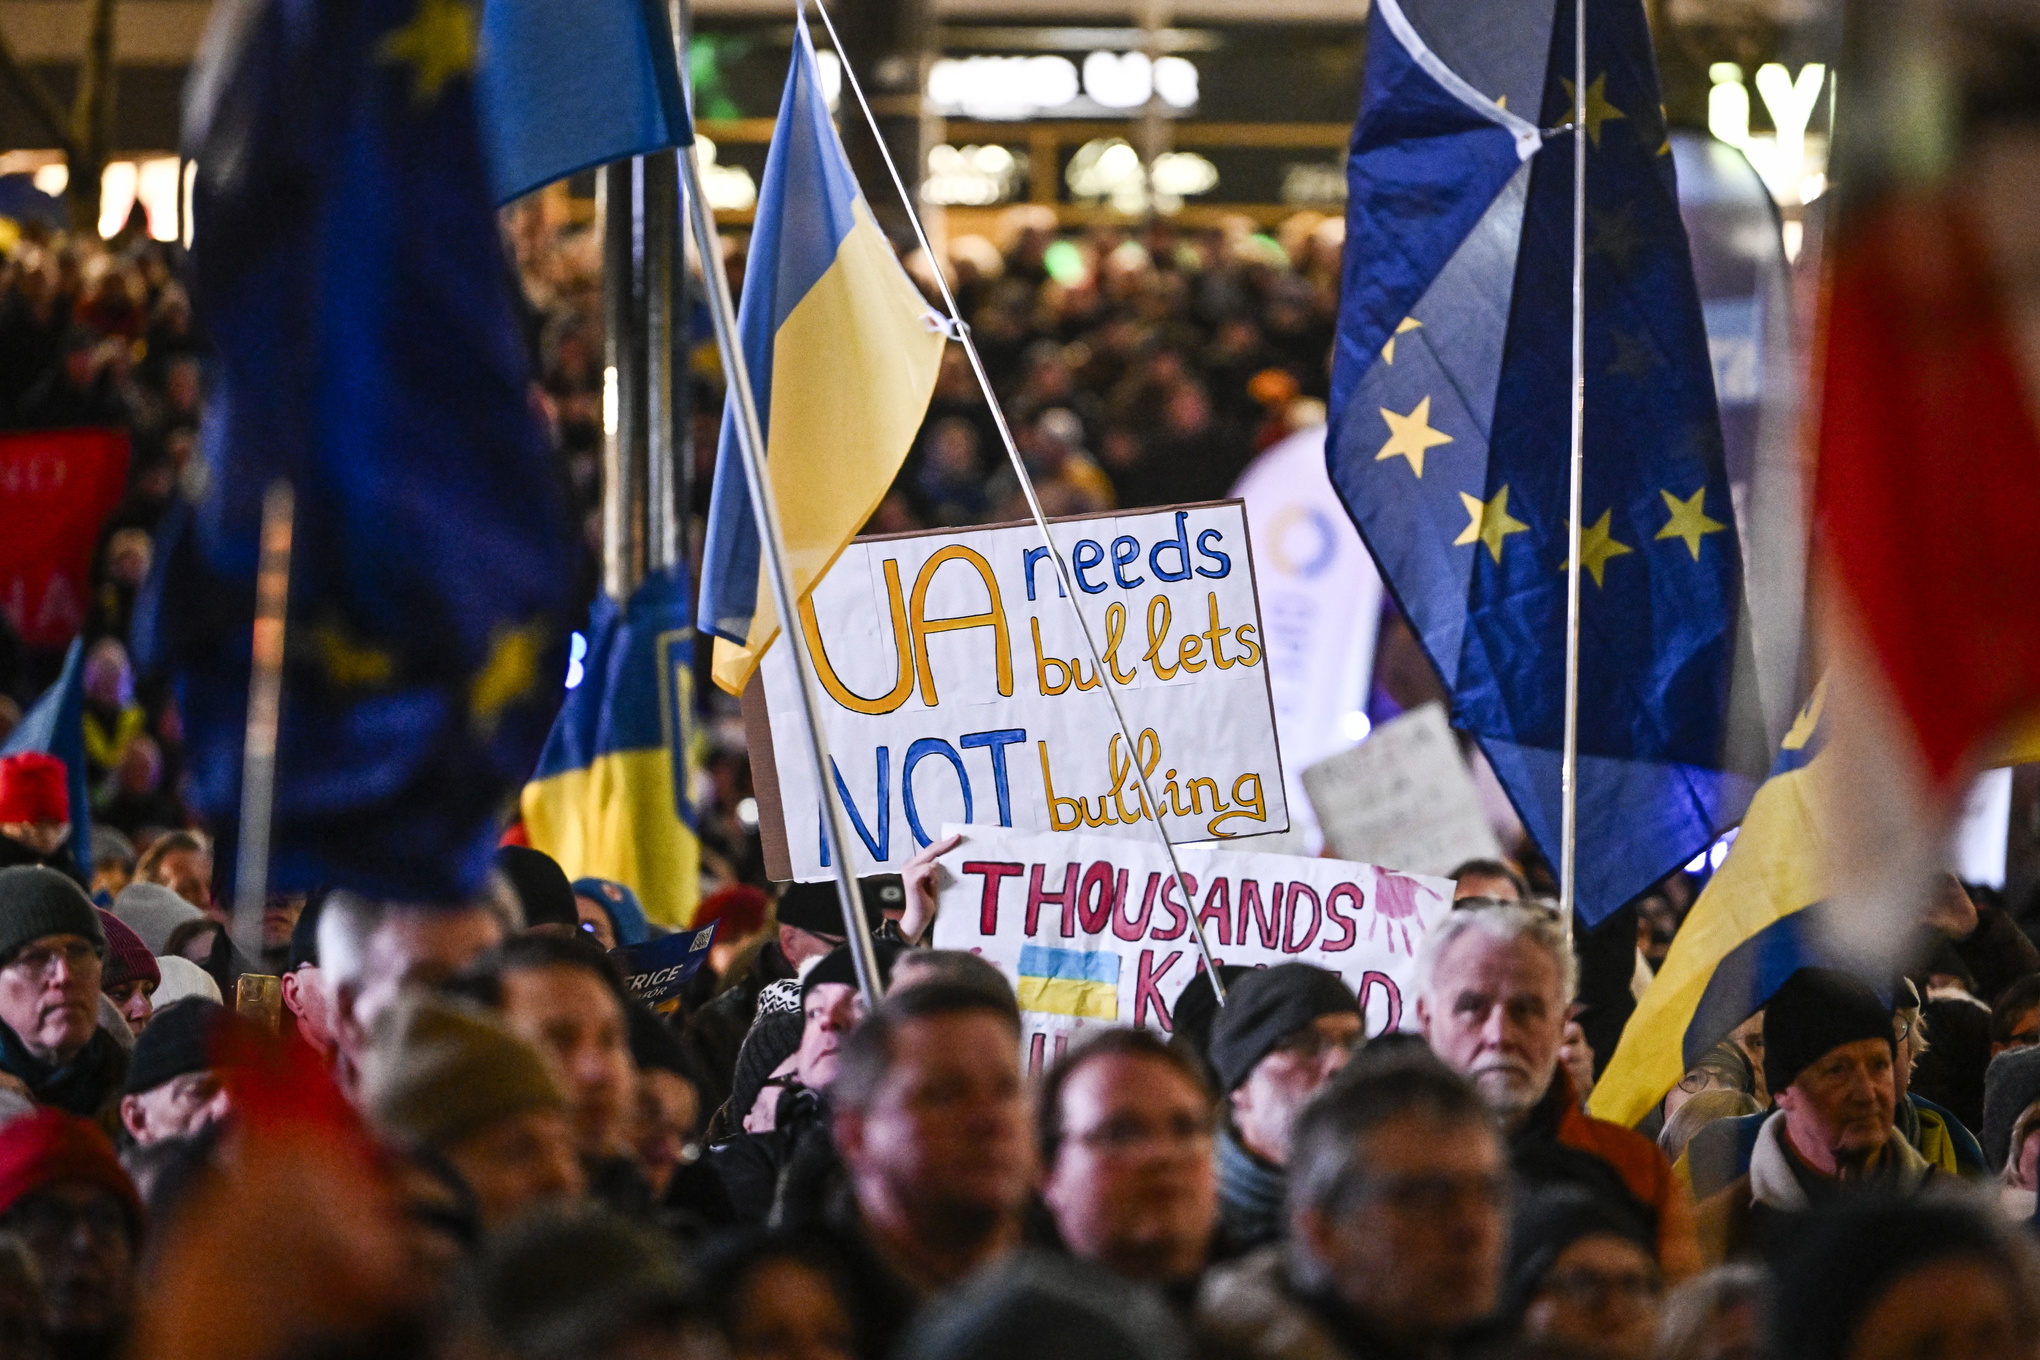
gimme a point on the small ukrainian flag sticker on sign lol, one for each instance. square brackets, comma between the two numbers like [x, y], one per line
[1069, 982]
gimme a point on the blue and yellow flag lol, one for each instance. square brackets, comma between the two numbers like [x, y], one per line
[842, 351]
[346, 264]
[610, 796]
[1069, 982]
[566, 86]
[55, 726]
[1450, 414]
[1753, 927]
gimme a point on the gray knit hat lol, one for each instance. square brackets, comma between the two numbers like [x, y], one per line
[438, 1070]
[37, 901]
[153, 912]
[2010, 1084]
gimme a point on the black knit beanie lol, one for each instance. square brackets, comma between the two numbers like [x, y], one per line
[541, 886]
[1813, 1014]
[179, 1039]
[1265, 1008]
[1546, 1219]
[37, 901]
[838, 966]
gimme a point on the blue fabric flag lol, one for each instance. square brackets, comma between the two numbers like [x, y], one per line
[566, 86]
[346, 263]
[611, 795]
[1450, 416]
[55, 726]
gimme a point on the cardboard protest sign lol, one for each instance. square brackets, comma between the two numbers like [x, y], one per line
[958, 688]
[1403, 796]
[654, 972]
[1093, 931]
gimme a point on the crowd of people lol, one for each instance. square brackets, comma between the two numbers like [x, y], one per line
[464, 1136]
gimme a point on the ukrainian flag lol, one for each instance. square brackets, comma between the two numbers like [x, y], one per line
[842, 352]
[1069, 982]
[1752, 928]
[609, 798]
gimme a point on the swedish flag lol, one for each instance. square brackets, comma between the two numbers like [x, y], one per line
[610, 796]
[347, 265]
[1754, 925]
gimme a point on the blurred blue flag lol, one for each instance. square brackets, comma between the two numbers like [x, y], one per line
[55, 726]
[566, 86]
[347, 265]
[1450, 412]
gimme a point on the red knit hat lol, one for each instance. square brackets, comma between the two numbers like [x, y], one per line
[34, 788]
[127, 958]
[52, 1148]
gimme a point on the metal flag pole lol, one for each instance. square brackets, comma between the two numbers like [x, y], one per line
[265, 709]
[961, 331]
[1569, 762]
[751, 446]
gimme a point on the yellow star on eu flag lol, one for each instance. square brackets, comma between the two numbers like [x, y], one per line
[1689, 520]
[508, 674]
[439, 43]
[1488, 522]
[1402, 327]
[1597, 544]
[1410, 435]
[1599, 110]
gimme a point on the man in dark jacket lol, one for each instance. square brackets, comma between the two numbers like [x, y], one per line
[1282, 1034]
[1828, 1057]
[51, 947]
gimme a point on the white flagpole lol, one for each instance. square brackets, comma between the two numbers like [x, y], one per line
[771, 541]
[1569, 766]
[961, 331]
[265, 709]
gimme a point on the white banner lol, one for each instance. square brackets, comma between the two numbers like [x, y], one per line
[958, 688]
[1403, 796]
[1321, 598]
[1094, 932]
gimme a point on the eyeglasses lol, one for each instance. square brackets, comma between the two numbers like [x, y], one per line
[1123, 1136]
[46, 1218]
[1431, 1196]
[40, 960]
[1310, 1044]
[1591, 1289]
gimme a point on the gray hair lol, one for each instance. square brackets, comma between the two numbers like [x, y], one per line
[1328, 1153]
[1532, 921]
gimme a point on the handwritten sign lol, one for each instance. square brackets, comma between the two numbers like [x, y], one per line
[1093, 931]
[1404, 797]
[957, 687]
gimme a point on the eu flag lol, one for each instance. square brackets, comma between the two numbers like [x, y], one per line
[564, 86]
[1450, 413]
[346, 263]
[610, 797]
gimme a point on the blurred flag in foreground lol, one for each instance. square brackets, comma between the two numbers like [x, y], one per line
[610, 796]
[566, 86]
[1929, 475]
[842, 351]
[1751, 929]
[347, 265]
[1450, 411]
[55, 726]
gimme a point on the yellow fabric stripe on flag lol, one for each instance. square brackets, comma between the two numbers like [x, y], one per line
[853, 368]
[1070, 996]
[616, 819]
[1775, 868]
